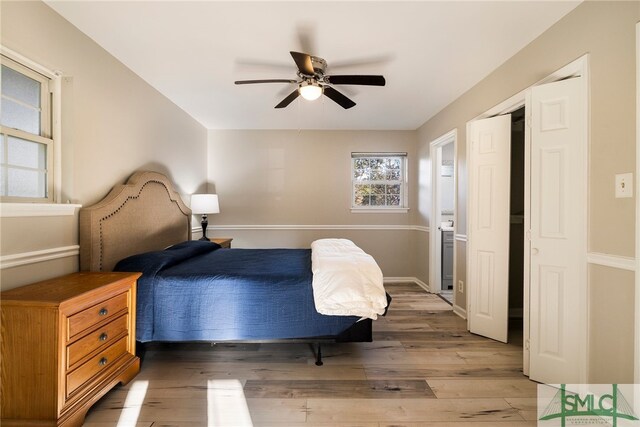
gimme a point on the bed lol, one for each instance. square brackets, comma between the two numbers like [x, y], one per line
[198, 291]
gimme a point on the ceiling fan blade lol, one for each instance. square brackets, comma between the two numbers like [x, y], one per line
[248, 82]
[289, 99]
[356, 80]
[303, 61]
[377, 60]
[339, 98]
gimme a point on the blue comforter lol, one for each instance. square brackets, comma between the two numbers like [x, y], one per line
[197, 291]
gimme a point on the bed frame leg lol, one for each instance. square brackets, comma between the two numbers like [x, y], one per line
[141, 350]
[319, 355]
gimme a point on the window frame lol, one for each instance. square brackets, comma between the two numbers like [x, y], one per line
[49, 81]
[404, 183]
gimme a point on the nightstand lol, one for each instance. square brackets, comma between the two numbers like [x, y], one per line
[65, 343]
[225, 242]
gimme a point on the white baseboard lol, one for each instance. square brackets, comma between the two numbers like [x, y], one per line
[422, 284]
[460, 311]
[415, 280]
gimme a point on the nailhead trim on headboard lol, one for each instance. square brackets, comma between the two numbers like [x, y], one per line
[92, 218]
[101, 220]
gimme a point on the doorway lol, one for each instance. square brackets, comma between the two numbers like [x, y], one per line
[516, 227]
[443, 214]
[554, 298]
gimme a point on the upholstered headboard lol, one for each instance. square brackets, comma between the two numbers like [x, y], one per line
[145, 214]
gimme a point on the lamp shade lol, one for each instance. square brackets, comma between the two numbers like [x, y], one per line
[204, 204]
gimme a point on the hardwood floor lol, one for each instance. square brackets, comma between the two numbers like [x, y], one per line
[447, 295]
[423, 369]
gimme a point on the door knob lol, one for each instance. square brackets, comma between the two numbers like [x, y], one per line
[534, 251]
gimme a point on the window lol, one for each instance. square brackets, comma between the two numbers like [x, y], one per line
[26, 145]
[378, 181]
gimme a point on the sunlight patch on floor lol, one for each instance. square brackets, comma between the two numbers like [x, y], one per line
[133, 404]
[226, 404]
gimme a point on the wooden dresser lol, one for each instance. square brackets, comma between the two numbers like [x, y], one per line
[65, 342]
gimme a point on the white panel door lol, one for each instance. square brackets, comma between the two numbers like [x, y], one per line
[488, 265]
[558, 232]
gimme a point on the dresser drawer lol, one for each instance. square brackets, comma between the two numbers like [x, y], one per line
[104, 360]
[100, 337]
[93, 315]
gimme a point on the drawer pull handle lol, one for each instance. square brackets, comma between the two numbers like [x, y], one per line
[103, 361]
[103, 337]
[103, 312]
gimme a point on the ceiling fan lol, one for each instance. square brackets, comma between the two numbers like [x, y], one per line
[313, 82]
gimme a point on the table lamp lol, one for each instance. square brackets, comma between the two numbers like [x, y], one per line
[204, 204]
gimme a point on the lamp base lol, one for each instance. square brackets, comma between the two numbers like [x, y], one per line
[204, 224]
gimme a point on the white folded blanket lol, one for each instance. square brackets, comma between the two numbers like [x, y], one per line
[346, 280]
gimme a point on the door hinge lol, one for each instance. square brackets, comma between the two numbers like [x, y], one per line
[528, 234]
[526, 344]
[527, 121]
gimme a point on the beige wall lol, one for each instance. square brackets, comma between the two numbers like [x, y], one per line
[303, 178]
[605, 30]
[113, 124]
[611, 306]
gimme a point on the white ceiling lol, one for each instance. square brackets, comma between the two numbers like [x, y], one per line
[429, 52]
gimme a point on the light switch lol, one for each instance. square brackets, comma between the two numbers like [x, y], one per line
[624, 185]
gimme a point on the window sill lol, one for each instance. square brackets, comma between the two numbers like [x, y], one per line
[13, 210]
[377, 211]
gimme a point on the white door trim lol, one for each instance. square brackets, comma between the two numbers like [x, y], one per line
[578, 67]
[435, 272]
[637, 255]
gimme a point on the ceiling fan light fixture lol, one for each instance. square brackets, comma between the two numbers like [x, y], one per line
[314, 82]
[310, 91]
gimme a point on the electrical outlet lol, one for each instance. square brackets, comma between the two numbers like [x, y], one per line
[624, 185]
[460, 286]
